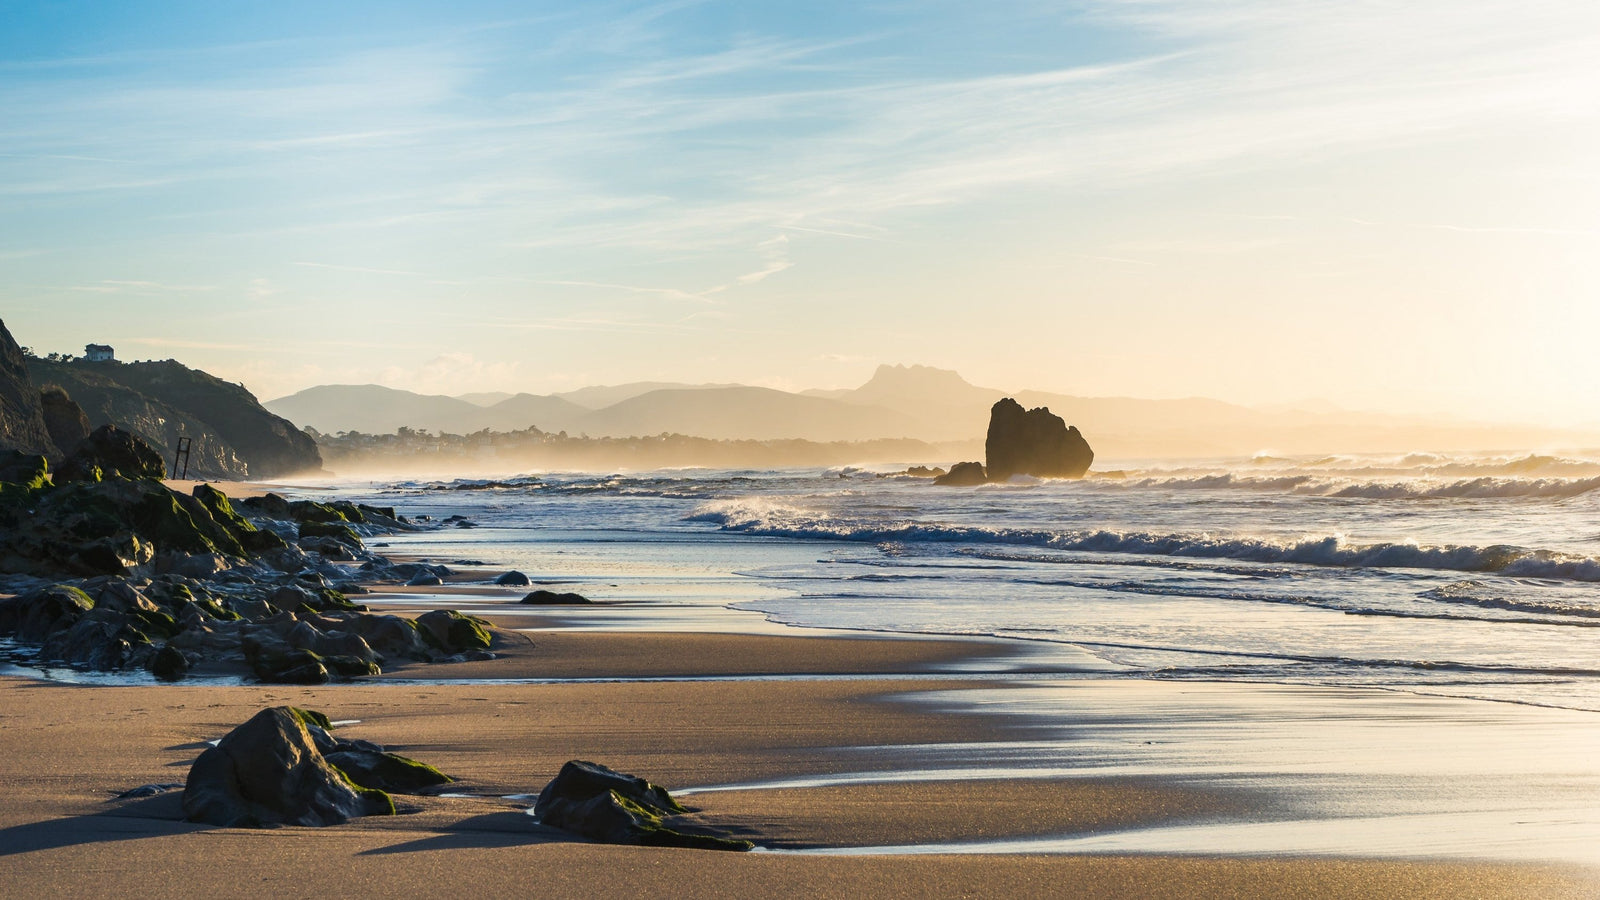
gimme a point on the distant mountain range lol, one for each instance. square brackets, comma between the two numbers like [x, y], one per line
[919, 402]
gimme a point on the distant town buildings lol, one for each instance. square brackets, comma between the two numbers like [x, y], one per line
[99, 353]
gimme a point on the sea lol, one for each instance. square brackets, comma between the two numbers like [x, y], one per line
[1392, 656]
[1460, 576]
[1389, 656]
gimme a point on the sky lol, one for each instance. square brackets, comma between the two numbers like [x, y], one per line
[1386, 205]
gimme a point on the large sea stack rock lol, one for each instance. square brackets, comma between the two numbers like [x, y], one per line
[269, 771]
[1033, 442]
[21, 419]
[63, 418]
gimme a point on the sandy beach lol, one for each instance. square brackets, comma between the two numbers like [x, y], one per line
[70, 749]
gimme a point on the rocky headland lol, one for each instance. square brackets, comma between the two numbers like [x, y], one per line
[48, 405]
[233, 436]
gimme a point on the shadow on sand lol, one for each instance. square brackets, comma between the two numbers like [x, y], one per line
[491, 830]
[128, 820]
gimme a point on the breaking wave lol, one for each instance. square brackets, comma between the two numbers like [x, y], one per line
[770, 519]
[1484, 487]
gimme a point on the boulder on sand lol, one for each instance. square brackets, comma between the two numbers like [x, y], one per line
[1033, 442]
[603, 805]
[269, 771]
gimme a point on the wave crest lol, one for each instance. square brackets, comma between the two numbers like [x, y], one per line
[776, 519]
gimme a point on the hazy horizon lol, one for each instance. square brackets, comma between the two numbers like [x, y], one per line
[1389, 207]
[1312, 405]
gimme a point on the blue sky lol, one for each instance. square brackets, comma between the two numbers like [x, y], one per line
[1387, 205]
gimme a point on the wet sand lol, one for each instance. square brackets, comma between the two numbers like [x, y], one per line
[66, 750]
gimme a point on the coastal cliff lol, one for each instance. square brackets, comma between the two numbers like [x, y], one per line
[234, 436]
[22, 425]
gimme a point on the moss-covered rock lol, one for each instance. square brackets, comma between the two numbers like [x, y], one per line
[269, 771]
[338, 531]
[23, 470]
[39, 613]
[109, 452]
[216, 503]
[454, 632]
[304, 511]
[390, 772]
[604, 805]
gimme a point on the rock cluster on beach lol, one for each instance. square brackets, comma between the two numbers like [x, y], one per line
[1024, 442]
[283, 767]
[113, 571]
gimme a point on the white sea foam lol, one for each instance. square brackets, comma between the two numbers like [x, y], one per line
[772, 518]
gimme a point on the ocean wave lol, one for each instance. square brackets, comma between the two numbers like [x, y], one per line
[771, 519]
[1483, 487]
[1476, 593]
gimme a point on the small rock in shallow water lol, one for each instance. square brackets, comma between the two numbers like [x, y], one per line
[148, 790]
[543, 597]
[515, 579]
[169, 664]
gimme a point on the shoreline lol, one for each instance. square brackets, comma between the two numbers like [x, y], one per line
[72, 747]
[821, 745]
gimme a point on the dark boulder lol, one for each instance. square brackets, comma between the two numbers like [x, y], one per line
[27, 470]
[1033, 442]
[368, 766]
[269, 505]
[274, 661]
[963, 474]
[41, 612]
[453, 632]
[269, 771]
[169, 664]
[603, 805]
[108, 452]
[107, 640]
[513, 579]
[394, 638]
[66, 421]
[411, 570]
[543, 597]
